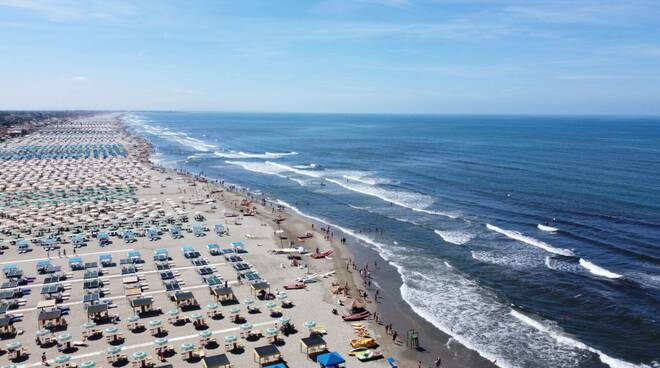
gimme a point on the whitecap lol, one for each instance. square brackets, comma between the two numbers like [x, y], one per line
[515, 235]
[455, 237]
[597, 270]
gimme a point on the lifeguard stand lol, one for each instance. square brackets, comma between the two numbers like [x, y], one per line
[412, 339]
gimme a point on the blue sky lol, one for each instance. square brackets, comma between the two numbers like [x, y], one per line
[404, 56]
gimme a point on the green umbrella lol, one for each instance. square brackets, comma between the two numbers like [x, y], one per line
[111, 330]
[64, 337]
[246, 326]
[235, 310]
[88, 325]
[155, 323]
[212, 306]
[133, 318]
[283, 320]
[272, 331]
[271, 305]
[230, 338]
[174, 312]
[62, 358]
[88, 364]
[139, 355]
[185, 347]
[309, 324]
[113, 349]
[14, 345]
[248, 301]
[196, 316]
[42, 332]
[160, 341]
[205, 333]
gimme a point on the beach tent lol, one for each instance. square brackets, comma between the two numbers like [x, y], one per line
[76, 263]
[214, 249]
[77, 239]
[392, 362]
[134, 254]
[216, 361]
[237, 246]
[43, 264]
[152, 234]
[103, 238]
[219, 229]
[198, 230]
[105, 259]
[332, 359]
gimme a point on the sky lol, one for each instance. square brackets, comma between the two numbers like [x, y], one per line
[388, 56]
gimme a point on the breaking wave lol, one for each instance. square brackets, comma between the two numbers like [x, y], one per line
[240, 154]
[455, 237]
[597, 270]
[529, 240]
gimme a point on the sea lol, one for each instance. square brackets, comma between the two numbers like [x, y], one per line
[533, 240]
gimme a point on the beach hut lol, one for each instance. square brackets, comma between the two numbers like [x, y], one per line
[185, 299]
[267, 354]
[330, 360]
[313, 345]
[214, 249]
[260, 288]
[216, 361]
[223, 295]
[175, 232]
[219, 229]
[198, 230]
[142, 304]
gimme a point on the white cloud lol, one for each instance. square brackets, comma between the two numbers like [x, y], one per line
[79, 78]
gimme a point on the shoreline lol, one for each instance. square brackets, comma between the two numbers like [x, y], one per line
[391, 307]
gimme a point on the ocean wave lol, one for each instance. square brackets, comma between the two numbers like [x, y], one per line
[562, 338]
[547, 228]
[529, 240]
[520, 261]
[414, 201]
[283, 167]
[258, 167]
[556, 264]
[168, 134]
[455, 237]
[597, 270]
[241, 154]
[366, 180]
[307, 166]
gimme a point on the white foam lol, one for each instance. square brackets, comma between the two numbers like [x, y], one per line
[562, 338]
[168, 134]
[529, 240]
[514, 260]
[414, 201]
[310, 173]
[258, 167]
[547, 228]
[455, 237]
[597, 270]
[247, 155]
[365, 180]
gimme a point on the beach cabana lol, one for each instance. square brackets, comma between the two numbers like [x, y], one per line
[106, 260]
[142, 304]
[198, 230]
[219, 229]
[97, 312]
[103, 238]
[260, 288]
[42, 265]
[175, 232]
[190, 252]
[7, 326]
[330, 360]
[267, 354]
[78, 240]
[51, 318]
[128, 236]
[214, 249]
[135, 256]
[76, 263]
[152, 234]
[185, 299]
[223, 294]
[216, 361]
[238, 247]
[313, 345]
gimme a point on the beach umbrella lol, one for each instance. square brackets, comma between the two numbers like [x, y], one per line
[155, 323]
[309, 324]
[42, 332]
[174, 312]
[205, 333]
[9, 366]
[283, 320]
[133, 319]
[196, 316]
[272, 331]
[248, 301]
[15, 345]
[234, 310]
[246, 326]
[111, 330]
[113, 350]
[62, 358]
[88, 325]
[139, 355]
[161, 341]
[230, 338]
[282, 296]
[212, 306]
[88, 364]
[186, 346]
[271, 305]
[64, 338]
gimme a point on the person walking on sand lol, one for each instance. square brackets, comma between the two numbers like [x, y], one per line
[438, 362]
[419, 364]
[44, 360]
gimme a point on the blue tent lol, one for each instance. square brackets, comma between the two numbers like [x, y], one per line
[134, 254]
[237, 245]
[22, 243]
[161, 251]
[74, 260]
[43, 263]
[106, 257]
[278, 365]
[10, 266]
[332, 359]
[392, 362]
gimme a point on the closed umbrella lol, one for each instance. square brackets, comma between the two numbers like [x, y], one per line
[139, 355]
[113, 350]
[205, 334]
[62, 358]
[64, 338]
[88, 364]
[246, 326]
[161, 341]
[185, 347]
[230, 338]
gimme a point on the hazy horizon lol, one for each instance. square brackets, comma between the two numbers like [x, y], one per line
[333, 56]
